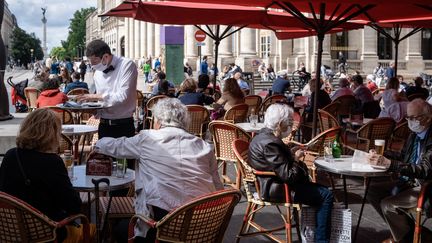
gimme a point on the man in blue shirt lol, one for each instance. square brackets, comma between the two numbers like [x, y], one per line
[244, 86]
[390, 73]
[76, 83]
[281, 84]
[204, 66]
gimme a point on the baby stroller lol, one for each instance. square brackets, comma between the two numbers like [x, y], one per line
[17, 94]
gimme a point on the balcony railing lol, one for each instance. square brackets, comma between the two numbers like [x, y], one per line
[428, 64]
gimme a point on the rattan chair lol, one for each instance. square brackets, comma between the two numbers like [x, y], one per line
[203, 219]
[422, 198]
[332, 108]
[346, 105]
[31, 95]
[78, 91]
[315, 147]
[297, 120]
[90, 140]
[224, 133]
[271, 100]
[417, 95]
[64, 115]
[140, 99]
[237, 113]
[199, 119]
[327, 120]
[380, 128]
[20, 222]
[148, 108]
[256, 203]
[254, 103]
[399, 136]
[65, 144]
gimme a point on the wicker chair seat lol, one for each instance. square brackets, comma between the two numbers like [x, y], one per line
[121, 207]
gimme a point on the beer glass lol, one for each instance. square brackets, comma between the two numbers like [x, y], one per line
[379, 146]
[253, 120]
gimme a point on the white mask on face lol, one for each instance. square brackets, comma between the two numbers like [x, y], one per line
[100, 66]
[414, 125]
[286, 133]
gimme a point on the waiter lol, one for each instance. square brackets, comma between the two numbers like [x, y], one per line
[115, 79]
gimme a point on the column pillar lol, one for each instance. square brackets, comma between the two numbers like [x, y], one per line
[414, 57]
[225, 49]
[247, 49]
[142, 39]
[157, 40]
[207, 50]
[369, 50]
[127, 38]
[137, 44]
[191, 47]
[132, 39]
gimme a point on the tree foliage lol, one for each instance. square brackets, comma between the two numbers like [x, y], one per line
[58, 52]
[75, 41]
[22, 43]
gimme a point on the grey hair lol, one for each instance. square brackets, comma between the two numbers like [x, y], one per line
[171, 112]
[277, 114]
[418, 102]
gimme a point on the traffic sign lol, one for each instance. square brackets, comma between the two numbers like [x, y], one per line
[200, 43]
[200, 36]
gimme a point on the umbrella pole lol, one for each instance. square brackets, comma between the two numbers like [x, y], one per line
[396, 57]
[216, 50]
[318, 83]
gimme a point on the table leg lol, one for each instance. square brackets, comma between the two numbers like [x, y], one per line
[368, 180]
[75, 142]
[345, 191]
[82, 149]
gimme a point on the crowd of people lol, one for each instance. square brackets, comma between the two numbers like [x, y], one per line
[173, 166]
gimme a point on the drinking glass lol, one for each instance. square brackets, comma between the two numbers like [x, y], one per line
[328, 153]
[114, 168]
[121, 168]
[379, 146]
[253, 120]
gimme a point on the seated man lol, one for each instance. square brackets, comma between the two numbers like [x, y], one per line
[393, 198]
[267, 152]
[76, 83]
[281, 84]
[174, 166]
[361, 92]
[244, 86]
[344, 89]
[417, 88]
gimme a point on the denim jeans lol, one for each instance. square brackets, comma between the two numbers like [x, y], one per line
[318, 196]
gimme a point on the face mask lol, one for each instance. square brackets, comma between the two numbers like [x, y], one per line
[286, 133]
[100, 66]
[414, 125]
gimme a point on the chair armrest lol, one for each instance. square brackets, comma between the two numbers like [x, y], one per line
[293, 142]
[425, 188]
[349, 130]
[84, 221]
[264, 173]
[149, 221]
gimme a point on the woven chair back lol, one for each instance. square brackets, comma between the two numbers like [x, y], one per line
[417, 95]
[64, 115]
[316, 145]
[31, 95]
[380, 128]
[327, 120]
[271, 100]
[78, 91]
[254, 103]
[347, 103]
[65, 144]
[237, 113]
[332, 108]
[199, 116]
[204, 219]
[20, 222]
[241, 150]
[140, 99]
[224, 133]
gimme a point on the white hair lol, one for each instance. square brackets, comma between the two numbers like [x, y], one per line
[277, 114]
[171, 112]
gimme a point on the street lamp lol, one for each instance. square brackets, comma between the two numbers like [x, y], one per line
[31, 55]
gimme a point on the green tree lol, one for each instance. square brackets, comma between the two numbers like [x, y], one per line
[58, 52]
[75, 42]
[22, 44]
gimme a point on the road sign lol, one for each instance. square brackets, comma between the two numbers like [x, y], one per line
[200, 43]
[200, 36]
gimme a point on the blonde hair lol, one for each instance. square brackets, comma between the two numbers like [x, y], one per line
[40, 131]
[189, 85]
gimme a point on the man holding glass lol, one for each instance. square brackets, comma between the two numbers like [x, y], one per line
[393, 198]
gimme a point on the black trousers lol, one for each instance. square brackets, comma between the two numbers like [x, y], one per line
[117, 131]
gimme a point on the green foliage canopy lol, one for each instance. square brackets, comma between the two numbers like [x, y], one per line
[22, 43]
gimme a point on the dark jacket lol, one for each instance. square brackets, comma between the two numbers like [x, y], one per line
[195, 99]
[400, 161]
[280, 85]
[269, 153]
[74, 85]
[416, 90]
[50, 190]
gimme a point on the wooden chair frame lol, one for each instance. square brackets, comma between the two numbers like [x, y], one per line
[21, 222]
[148, 108]
[270, 100]
[65, 116]
[31, 95]
[254, 102]
[236, 114]
[199, 119]
[424, 193]
[224, 133]
[346, 103]
[327, 120]
[78, 91]
[399, 136]
[203, 219]
[256, 203]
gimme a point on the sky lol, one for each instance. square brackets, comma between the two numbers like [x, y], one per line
[58, 14]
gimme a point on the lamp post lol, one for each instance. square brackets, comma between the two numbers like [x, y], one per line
[31, 55]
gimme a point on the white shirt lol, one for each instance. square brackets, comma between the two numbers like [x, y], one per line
[397, 111]
[174, 168]
[118, 89]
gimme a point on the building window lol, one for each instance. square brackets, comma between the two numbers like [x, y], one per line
[339, 43]
[265, 46]
[385, 46]
[426, 43]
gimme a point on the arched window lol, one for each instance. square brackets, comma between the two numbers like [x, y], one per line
[385, 46]
[339, 42]
[426, 42]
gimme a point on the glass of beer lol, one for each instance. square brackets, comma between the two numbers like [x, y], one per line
[379, 146]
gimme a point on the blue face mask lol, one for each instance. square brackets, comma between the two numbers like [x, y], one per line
[415, 126]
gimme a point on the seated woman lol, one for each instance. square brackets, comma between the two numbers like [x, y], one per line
[51, 95]
[231, 95]
[76, 83]
[267, 152]
[391, 91]
[189, 96]
[49, 189]
[322, 101]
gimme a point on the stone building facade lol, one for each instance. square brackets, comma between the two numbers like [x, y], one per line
[363, 48]
[9, 23]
